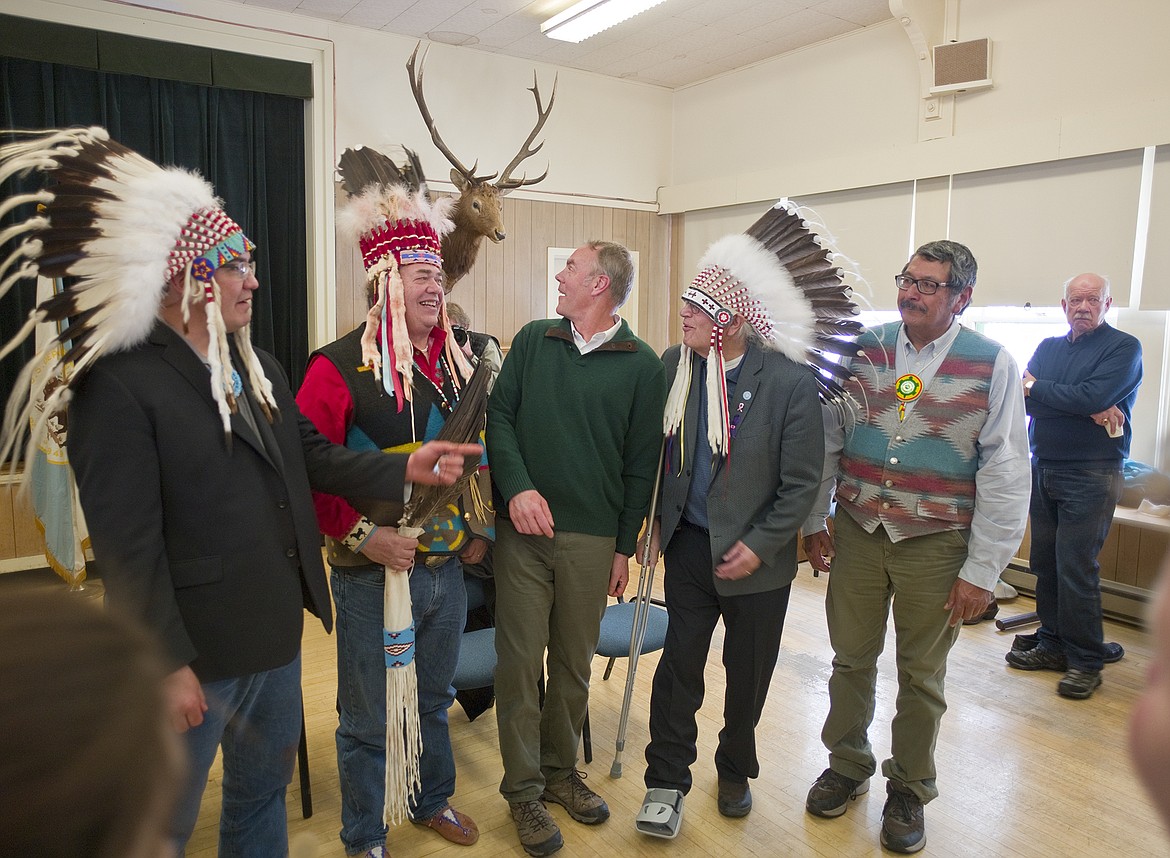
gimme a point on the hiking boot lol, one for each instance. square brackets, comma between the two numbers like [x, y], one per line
[1079, 684]
[831, 792]
[538, 832]
[1113, 651]
[1039, 657]
[583, 804]
[903, 820]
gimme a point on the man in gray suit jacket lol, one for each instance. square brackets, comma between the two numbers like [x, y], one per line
[741, 469]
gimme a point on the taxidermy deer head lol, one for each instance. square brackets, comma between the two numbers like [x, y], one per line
[479, 208]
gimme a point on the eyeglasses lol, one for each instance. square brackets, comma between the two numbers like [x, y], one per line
[239, 269]
[460, 333]
[1092, 301]
[926, 287]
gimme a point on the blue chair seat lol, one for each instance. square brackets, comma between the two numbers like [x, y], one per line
[618, 622]
[477, 660]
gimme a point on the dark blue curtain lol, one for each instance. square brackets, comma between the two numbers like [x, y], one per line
[249, 145]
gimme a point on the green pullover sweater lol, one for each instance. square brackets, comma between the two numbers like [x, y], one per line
[583, 430]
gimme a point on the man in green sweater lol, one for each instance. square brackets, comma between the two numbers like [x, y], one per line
[574, 428]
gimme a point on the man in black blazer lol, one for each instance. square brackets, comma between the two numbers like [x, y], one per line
[193, 462]
[214, 541]
[740, 471]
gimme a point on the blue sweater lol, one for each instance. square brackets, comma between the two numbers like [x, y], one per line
[1075, 379]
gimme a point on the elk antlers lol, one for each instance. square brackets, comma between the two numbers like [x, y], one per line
[506, 182]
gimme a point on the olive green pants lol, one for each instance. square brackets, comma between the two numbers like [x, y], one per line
[916, 575]
[550, 594]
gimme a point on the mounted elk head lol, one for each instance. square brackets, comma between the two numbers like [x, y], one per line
[479, 208]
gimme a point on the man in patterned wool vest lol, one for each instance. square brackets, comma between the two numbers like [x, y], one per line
[931, 478]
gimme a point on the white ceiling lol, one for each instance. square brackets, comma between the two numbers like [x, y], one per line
[677, 43]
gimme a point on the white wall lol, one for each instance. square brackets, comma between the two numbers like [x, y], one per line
[1072, 77]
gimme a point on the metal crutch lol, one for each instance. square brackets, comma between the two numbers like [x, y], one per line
[641, 617]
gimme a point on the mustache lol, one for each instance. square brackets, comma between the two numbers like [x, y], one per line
[910, 305]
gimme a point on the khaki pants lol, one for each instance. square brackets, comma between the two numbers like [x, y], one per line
[916, 574]
[550, 594]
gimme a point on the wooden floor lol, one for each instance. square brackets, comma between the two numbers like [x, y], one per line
[1021, 771]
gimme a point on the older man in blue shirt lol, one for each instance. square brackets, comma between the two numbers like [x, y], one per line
[1079, 391]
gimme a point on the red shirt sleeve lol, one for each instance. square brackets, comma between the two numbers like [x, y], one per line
[325, 399]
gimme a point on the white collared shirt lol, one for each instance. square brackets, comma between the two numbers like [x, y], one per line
[597, 340]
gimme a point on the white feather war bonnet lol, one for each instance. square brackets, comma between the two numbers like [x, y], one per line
[395, 225]
[781, 278]
[121, 229]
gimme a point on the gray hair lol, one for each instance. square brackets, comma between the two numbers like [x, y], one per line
[1104, 281]
[457, 315]
[962, 261]
[615, 262]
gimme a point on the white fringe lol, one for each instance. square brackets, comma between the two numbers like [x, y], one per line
[676, 400]
[403, 734]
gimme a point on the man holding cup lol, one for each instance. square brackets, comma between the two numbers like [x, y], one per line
[1079, 390]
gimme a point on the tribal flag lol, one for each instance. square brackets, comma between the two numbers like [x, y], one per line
[54, 493]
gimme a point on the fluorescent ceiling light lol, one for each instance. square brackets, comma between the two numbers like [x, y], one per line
[590, 17]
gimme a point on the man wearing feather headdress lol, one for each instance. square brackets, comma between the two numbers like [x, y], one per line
[740, 473]
[574, 424]
[193, 463]
[932, 495]
[393, 403]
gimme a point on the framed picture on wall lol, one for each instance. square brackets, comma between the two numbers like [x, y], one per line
[558, 256]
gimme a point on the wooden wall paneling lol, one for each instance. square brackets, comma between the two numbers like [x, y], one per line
[638, 229]
[1128, 551]
[566, 226]
[521, 271]
[1108, 557]
[494, 273]
[678, 278]
[26, 535]
[621, 233]
[593, 227]
[1153, 549]
[7, 522]
[544, 236]
[663, 225]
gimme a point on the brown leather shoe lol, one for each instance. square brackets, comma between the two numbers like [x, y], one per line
[453, 825]
[989, 614]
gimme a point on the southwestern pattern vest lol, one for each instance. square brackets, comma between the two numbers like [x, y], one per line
[916, 476]
[379, 425]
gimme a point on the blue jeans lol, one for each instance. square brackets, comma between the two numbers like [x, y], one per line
[439, 607]
[257, 721]
[1071, 512]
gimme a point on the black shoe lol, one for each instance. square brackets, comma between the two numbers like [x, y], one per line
[830, 794]
[735, 799]
[1079, 684]
[903, 820]
[1023, 643]
[989, 614]
[1114, 651]
[1041, 657]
